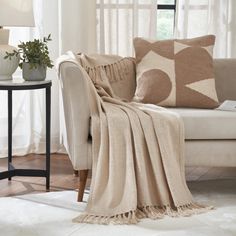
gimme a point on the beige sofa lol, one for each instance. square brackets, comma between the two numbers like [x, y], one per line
[210, 134]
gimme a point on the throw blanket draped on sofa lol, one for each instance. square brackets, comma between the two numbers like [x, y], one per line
[138, 160]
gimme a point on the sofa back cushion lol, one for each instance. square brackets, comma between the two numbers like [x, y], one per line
[177, 73]
[225, 74]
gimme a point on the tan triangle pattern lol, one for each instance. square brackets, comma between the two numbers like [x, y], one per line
[203, 86]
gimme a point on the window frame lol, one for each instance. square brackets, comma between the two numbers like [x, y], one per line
[167, 6]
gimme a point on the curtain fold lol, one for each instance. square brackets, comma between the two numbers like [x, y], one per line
[196, 18]
[119, 21]
[78, 33]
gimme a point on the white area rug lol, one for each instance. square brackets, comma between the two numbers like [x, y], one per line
[51, 214]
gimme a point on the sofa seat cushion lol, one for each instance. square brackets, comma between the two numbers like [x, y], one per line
[207, 123]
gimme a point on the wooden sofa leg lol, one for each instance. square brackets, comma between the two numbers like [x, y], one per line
[83, 174]
[76, 173]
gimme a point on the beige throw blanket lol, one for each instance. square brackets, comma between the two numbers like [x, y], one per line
[138, 160]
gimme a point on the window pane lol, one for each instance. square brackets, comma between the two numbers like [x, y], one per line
[165, 24]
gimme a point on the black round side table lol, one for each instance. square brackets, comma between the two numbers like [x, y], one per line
[9, 86]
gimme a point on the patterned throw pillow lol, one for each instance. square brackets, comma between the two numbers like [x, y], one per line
[176, 72]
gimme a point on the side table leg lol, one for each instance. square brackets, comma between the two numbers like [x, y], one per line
[9, 129]
[48, 134]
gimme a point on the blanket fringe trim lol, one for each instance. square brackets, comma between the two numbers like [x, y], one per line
[115, 72]
[152, 212]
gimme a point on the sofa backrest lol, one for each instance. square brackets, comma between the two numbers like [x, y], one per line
[225, 74]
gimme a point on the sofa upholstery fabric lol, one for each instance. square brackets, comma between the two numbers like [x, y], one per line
[225, 74]
[203, 124]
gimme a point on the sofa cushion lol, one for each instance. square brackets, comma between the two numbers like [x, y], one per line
[176, 72]
[207, 124]
[225, 71]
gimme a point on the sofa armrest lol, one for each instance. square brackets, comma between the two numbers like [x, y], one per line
[77, 115]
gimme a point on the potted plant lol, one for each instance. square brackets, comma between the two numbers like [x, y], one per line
[34, 58]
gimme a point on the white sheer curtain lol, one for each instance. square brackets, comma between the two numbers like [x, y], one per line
[196, 18]
[119, 21]
[77, 19]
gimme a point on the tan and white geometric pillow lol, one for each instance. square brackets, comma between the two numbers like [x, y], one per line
[176, 73]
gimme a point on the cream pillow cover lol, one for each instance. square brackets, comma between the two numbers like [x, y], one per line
[176, 73]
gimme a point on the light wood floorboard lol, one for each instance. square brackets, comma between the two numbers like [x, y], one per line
[62, 177]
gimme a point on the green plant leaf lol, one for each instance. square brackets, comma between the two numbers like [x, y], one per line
[33, 52]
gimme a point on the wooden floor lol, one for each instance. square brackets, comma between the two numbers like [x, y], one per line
[62, 175]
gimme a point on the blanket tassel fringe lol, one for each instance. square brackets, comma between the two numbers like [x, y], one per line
[152, 212]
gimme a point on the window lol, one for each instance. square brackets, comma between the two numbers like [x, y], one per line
[165, 19]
